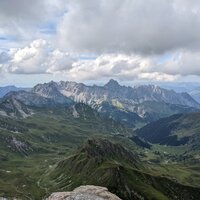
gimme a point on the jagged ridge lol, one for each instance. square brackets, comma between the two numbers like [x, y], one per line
[122, 173]
[128, 105]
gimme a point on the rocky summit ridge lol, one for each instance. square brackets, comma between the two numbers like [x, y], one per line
[88, 192]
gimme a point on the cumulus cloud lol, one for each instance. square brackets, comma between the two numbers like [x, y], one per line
[135, 26]
[59, 61]
[40, 58]
[36, 58]
[119, 66]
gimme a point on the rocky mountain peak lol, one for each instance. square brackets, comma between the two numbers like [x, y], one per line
[46, 89]
[112, 84]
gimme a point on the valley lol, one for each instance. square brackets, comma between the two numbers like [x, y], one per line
[53, 143]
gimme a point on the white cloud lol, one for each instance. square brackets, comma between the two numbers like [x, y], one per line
[37, 58]
[157, 76]
[29, 59]
[40, 58]
[120, 66]
[59, 61]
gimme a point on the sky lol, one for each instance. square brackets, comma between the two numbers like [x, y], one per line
[93, 41]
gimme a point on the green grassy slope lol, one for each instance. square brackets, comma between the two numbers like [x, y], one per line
[30, 149]
[30, 146]
[176, 130]
[104, 163]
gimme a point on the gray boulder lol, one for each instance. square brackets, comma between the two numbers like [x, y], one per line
[88, 192]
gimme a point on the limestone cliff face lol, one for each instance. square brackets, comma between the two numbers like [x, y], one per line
[88, 192]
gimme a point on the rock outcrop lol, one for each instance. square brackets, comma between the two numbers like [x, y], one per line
[88, 192]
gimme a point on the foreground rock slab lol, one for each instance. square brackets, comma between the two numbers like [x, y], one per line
[88, 192]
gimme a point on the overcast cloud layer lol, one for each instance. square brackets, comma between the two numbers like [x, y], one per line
[151, 27]
[131, 39]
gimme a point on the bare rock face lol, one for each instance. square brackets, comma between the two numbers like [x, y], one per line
[88, 192]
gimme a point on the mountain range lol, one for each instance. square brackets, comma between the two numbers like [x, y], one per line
[132, 106]
[11, 88]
